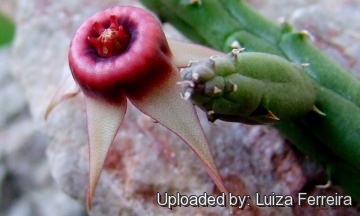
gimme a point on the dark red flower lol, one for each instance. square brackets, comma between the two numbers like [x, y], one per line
[122, 53]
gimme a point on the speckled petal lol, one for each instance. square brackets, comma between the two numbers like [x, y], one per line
[103, 120]
[165, 105]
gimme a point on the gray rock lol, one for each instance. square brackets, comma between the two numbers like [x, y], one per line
[26, 185]
[12, 101]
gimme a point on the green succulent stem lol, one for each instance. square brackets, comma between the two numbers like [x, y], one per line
[250, 87]
[332, 139]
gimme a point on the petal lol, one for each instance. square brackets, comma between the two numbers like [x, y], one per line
[184, 52]
[67, 90]
[103, 121]
[164, 104]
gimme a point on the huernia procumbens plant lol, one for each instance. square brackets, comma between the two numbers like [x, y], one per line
[266, 88]
[121, 54]
[331, 135]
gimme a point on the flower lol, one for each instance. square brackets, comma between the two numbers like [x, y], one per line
[122, 53]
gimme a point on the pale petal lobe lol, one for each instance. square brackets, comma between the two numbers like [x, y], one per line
[103, 122]
[165, 105]
[184, 52]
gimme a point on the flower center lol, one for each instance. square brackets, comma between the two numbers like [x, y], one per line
[111, 41]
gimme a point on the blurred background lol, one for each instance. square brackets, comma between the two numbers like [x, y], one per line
[43, 164]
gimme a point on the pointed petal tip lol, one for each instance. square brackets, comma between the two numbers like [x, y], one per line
[49, 108]
[57, 100]
[103, 120]
[164, 104]
[66, 91]
[89, 197]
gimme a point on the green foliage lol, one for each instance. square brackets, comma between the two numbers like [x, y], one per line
[332, 139]
[7, 30]
[250, 87]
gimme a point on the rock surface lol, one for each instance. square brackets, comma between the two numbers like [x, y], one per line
[145, 157]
